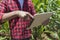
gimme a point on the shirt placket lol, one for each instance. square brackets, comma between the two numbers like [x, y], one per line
[20, 19]
[21, 9]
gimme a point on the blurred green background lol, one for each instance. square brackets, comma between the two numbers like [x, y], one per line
[47, 32]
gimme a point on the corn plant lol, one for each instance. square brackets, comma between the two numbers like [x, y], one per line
[52, 30]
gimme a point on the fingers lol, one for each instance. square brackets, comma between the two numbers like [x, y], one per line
[30, 15]
[24, 14]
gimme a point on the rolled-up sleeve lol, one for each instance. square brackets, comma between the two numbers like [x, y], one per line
[2, 9]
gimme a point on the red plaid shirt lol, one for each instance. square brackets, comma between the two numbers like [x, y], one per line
[17, 25]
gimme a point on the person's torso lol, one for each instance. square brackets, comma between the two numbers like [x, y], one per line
[18, 25]
[14, 6]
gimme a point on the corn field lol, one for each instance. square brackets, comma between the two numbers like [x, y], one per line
[51, 31]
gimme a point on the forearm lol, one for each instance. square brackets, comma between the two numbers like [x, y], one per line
[9, 16]
[22, 14]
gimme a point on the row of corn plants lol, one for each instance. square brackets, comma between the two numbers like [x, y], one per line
[51, 31]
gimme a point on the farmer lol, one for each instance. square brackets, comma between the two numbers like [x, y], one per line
[20, 14]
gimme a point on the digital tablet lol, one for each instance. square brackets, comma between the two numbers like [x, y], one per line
[40, 18]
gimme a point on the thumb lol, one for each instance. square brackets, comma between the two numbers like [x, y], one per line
[30, 15]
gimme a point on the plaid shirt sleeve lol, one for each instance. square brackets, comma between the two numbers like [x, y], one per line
[2, 9]
[33, 11]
